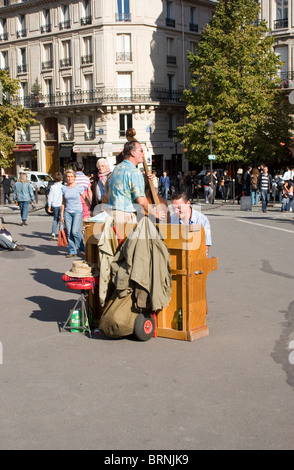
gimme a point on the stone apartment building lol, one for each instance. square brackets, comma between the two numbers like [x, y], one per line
[90, 69]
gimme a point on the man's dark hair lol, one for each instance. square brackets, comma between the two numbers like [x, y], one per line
[79, 166]
[129, 147]
[58, 176]
[183, 195]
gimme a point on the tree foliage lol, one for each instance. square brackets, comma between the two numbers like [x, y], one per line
[235, 84]
[11, 118]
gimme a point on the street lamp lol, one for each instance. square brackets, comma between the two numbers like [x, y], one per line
[210, 126]
[176, 140]
[101, 145]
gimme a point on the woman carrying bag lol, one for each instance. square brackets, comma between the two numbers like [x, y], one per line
[23, 195]
[72, 213]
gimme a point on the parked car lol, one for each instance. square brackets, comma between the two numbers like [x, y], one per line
[38, 180]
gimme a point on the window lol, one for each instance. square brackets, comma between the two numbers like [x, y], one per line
[88, 79]
[3, 30]
[123, 11]
[282, 51]
[123, 47]
[170, 21]
[48, 57]
[171, 58]
[22, 60]
[66, 54]
[193, 26]
[4, 61]
[125, 121]
[68, 134]
[90, 132]
[282, 14]
[86, 13]
[46, 26]
[65, 17]
[49, 90]
[23, 92]
[87, 58]
[124, 86]
[67, 87]
[21, 31]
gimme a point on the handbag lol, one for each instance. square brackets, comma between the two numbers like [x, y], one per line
[62, 237]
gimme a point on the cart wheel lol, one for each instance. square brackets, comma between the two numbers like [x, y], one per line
[144, 326]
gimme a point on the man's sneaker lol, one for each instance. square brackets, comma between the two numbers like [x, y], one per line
[53, 236]
[19, 248]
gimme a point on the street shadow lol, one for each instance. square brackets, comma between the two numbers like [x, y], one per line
[267, 268]
[48, 278]
[38, 235]
[51, 310]
[282, 349]
[51, 250]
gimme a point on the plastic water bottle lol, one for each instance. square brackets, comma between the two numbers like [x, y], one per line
[180, 320]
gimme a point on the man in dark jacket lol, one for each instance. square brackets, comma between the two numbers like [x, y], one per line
[6, 184]
[264, 185]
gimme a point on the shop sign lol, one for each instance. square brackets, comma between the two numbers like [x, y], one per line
[23, 148]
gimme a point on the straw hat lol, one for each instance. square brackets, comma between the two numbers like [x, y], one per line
[82, 269]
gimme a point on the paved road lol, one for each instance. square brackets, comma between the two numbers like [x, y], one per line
[231, 390]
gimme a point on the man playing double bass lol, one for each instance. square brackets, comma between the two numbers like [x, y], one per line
[127, 187]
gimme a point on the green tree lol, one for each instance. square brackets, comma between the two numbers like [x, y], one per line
[11, 118]
[235, 84]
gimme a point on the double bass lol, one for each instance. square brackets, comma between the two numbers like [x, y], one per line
[151, 194]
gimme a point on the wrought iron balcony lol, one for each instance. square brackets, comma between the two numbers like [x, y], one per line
[46, 28]
[4, 37]
[287, 79]
[47, 64]
[21, 33]
[123, 17]
[171, 59]
[102, 96]
[65, 62]
[68, 136]
[170, 22]
[283, 23]
[193, 27]
[23, 68]
[87, 59]
[124, 56]
[86, 20]
[64, 24]
[90, 135]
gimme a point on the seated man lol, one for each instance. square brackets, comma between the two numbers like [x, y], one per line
[185, 214]
[6, 241]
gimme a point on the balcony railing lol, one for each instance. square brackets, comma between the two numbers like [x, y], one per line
[90, 135]
[3, 37]
[64, 24]
[46, 28]
[287, 79]
[171, 59]
[124, 56]
[87, 59]
[123, 17]
[283, 23]
[21, 33]
[22, 68]
[68, 136]
[86, 20]
[65, 62]
[170, 22]
[193, 27]
[47, 64]
[102, 96]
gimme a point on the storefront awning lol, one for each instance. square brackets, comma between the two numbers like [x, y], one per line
[23, 148]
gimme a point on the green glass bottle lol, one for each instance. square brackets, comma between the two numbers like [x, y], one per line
[180, 320]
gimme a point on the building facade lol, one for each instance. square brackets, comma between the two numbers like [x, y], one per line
[279, 15]
[90, 69]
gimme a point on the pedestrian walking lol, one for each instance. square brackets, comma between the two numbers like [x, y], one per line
[207, 185]
[265, 187]
[72, 213]
[164, 185]
[84, 181]
[254, 187]
[23, 195]
[6, 184]
[54, 203]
